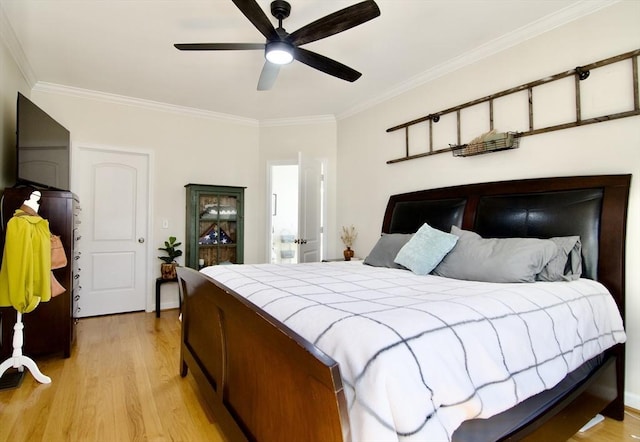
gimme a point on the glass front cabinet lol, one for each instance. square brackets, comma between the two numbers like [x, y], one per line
[215, 225]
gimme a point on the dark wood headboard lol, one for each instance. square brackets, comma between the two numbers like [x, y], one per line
[593, 207]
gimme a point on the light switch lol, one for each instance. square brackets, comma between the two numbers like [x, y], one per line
[165, 223]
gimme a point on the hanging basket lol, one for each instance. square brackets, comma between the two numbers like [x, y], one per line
[492, 143]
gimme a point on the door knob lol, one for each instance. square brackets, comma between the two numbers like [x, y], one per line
[140, 240]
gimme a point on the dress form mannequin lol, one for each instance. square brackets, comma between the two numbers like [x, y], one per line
[33, 201]
[17, 359]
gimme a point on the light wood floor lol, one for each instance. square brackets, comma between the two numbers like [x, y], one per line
[122, 383]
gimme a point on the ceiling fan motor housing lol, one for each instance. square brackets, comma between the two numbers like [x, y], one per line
[280, 9]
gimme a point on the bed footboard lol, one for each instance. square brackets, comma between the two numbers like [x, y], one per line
[261, 380]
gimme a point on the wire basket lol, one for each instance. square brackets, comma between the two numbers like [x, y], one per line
[501, 141]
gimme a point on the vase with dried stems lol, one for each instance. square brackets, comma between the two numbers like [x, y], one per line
[348, 237]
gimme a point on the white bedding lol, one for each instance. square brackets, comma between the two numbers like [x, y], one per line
[420, 354]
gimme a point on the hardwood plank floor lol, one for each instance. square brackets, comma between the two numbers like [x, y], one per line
[122, 383]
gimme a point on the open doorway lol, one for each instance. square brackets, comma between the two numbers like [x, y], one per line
[284, 213]
[296, 211]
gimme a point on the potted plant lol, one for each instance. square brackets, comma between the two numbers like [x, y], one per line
[168, 266]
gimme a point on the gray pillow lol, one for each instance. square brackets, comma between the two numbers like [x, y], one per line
[422, 253]
[495, 259]
[386, 249]
[566, 264]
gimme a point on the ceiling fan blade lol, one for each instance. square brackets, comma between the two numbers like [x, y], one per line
[337, 22]
[326, 65]
[218, 46]
[268, 76]
[256, 15]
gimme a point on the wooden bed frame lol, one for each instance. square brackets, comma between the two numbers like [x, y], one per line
[264, 382]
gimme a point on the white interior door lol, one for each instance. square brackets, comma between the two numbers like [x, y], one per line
[310, 205]
[113, 191]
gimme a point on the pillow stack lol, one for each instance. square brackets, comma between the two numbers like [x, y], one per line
[466, 255]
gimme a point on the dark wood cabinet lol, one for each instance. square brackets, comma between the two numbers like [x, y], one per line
[215, 225]
[49, 328]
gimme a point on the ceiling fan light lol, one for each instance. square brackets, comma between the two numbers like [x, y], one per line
[279, 52]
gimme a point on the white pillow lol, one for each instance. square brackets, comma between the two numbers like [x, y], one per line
[424, 251]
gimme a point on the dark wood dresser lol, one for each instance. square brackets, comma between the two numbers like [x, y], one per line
[49, 328]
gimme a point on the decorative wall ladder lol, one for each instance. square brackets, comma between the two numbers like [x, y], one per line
[579, 73]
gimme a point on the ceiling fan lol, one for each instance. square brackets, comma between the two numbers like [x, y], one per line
[282, 48]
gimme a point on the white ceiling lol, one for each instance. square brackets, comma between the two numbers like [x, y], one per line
[125, 48]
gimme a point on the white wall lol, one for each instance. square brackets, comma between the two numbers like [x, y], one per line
[11, 81]
[604, 148]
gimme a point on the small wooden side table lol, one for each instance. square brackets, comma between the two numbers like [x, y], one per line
[159, 282]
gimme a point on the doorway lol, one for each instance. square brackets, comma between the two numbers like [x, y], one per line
[284, 214]
[113, 187]
[296, 211]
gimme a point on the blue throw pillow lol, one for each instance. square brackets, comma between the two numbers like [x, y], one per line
[422, 253]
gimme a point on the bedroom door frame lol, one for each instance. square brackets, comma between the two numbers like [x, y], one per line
[319, 220]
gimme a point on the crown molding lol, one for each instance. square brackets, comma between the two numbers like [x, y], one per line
[298, 121]
[124, 100]
[8, 36]
[53, 88]
[545, 24]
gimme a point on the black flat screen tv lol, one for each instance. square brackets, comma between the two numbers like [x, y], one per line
[43, 148]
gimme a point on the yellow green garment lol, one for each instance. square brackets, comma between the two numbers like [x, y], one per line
[25, 276]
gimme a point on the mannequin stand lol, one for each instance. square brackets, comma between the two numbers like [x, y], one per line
[18, 360]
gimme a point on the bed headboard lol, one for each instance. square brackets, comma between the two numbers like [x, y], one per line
[593, 207]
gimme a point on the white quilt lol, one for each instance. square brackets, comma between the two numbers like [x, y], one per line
[421, 354]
